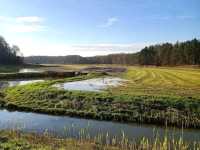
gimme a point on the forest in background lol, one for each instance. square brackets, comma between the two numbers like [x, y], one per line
[9, 55]
[180, 53]
[166, 54]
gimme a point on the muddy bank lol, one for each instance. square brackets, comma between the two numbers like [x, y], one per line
[104, 69]
[31, 75]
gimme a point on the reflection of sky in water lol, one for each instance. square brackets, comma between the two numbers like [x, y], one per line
[4, 84]
[25, 70]
[15, 83]
[70, 127]
[91, 84]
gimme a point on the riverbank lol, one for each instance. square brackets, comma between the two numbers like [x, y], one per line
[42, 97]
[38, 75]
[14, 140]
[162, 96]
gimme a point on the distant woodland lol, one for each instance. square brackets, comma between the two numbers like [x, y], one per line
[180, 53]
[9, 55]
[166, 54]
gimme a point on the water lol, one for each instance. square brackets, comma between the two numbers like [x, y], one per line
[96, 85]
[22, 82]
[39, 123]
[4, 84]
[26, 70]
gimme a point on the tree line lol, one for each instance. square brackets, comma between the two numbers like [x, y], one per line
[9, 55]
[180, 53]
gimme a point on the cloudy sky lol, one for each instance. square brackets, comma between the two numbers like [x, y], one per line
[96, 27]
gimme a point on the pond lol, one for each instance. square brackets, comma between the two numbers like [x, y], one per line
[63, 126]
[95, 85]
[4, 84]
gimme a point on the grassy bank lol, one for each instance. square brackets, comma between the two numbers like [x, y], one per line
[162, 110]
[15, 140]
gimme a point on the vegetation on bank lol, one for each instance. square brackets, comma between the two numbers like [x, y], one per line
[15, 140]
[162, 110]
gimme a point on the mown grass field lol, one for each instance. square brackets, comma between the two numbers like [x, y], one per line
[161, 81]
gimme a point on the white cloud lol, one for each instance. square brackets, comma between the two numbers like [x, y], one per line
[110, 22]
[26, 28]
[22, 24]
[4, 19]
[30, 19]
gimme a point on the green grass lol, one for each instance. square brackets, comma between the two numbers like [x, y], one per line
[15, 140]
[161, 81]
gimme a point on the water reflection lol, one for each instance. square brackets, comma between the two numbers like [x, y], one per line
[96, 85]
[26, 70]
[4, 84]
[70, 127]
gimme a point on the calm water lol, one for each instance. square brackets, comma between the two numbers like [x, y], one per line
[4, 84]
[96, 85]
[25, 70]
[57, 125]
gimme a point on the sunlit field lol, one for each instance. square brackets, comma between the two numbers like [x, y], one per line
[161, 81]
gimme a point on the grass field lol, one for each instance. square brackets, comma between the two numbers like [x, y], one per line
[161, 81]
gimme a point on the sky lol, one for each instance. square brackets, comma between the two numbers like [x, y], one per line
[96, 27]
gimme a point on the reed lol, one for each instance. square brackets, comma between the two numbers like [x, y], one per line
[14, 139]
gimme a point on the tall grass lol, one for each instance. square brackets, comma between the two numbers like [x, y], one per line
[17, 140]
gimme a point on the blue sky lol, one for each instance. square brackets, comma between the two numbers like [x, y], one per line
[96, 27]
